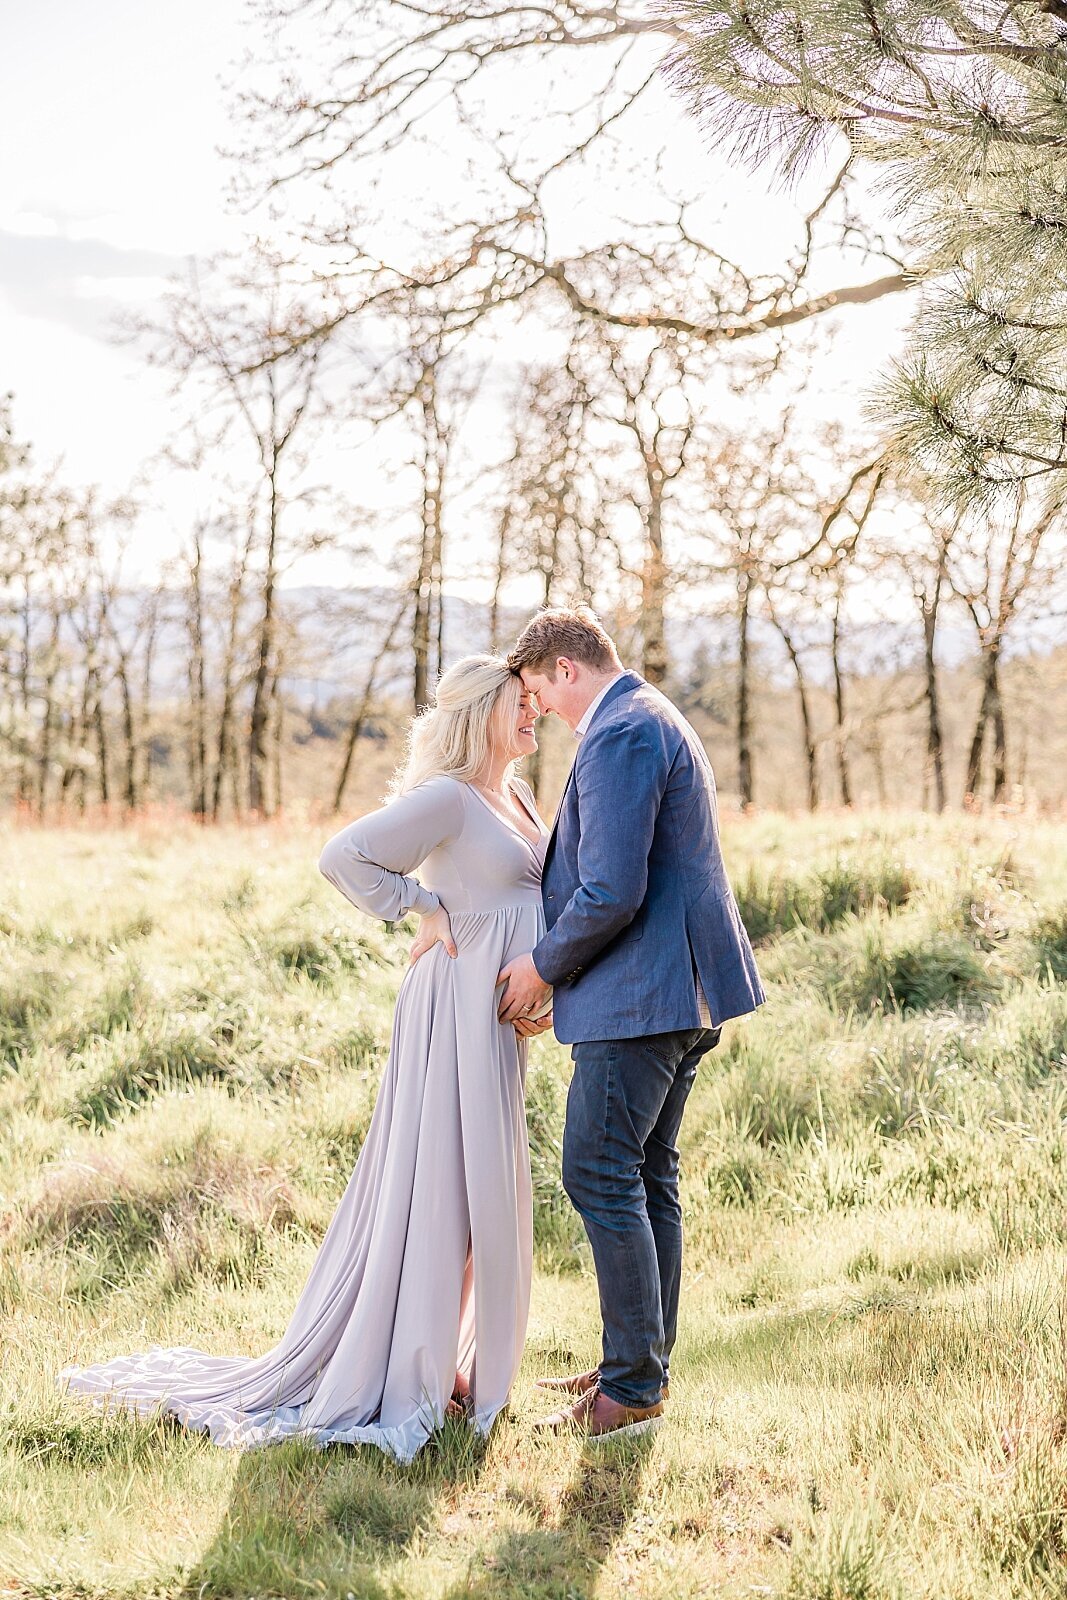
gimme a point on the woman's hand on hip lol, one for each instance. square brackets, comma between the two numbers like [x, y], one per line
[434, 928]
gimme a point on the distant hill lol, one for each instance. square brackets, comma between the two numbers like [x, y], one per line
[336, 633]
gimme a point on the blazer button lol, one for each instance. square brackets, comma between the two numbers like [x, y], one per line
[550, 897]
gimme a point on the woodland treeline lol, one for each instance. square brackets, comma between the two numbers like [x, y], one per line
[621, 421]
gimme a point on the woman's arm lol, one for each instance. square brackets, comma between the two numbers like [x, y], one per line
[371, 861]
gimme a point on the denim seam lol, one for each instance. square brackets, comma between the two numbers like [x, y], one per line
[631, 1263]
[632, 1275]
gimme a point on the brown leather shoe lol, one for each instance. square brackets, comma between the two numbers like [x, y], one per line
[582, 1383]
[579, 1384]
[599, 1417]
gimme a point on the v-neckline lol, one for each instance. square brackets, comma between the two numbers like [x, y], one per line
[531, 844]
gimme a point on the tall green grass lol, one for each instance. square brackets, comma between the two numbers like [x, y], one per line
[869, 1394]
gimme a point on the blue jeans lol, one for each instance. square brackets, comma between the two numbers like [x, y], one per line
[620, 1169]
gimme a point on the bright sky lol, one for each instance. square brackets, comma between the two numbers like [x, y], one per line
[112, 115]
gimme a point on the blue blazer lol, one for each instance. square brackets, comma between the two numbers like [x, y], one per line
[635, 890]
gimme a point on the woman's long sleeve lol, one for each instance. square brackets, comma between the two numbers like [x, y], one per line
[371, 860]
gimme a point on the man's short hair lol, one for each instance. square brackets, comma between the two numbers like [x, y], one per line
[563, 631]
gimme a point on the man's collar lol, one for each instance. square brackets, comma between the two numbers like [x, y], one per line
[594, 705]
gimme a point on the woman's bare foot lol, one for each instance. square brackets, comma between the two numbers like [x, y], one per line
[461, 1403]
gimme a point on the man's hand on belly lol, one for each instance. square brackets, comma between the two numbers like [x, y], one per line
[525, 989]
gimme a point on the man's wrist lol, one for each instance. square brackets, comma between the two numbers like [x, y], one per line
[544, 966]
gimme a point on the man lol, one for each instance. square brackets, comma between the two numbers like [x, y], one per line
[647, 957]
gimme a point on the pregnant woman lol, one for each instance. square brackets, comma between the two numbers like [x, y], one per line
[417, 1301]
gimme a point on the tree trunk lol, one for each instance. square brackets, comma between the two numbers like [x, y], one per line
[145, 740]
[226, 747]
[745, 778]
[935, 749]
[129, 734]
[807, 721]
[990, 709]
[811, 750]
[533, 766]
[877, 755]
[811, 753]
[427, 625]
[72, 778]
[1000, 742]
[360, 717]
[224, 754]
[44, 756]
[277, 719]
[844, 776]
[197, 685]
[503, 541]
[25, 784]
[420, 629]
[257, 727]
[234, 771]
[653, 585]
[437, 578]
[99, 727]
[973, 781]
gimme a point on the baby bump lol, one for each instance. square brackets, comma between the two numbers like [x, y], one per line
[485, 942]
[492, 939]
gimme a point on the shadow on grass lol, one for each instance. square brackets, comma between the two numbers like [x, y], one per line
[565, 1558]
[338, 1523]
[328, 1522]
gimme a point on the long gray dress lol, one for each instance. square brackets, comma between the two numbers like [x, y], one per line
[425, 1268]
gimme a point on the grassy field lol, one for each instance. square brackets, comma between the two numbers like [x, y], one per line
[869, 1398]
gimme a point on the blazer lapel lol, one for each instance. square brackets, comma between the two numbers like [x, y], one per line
[629, 680]
[559, 810]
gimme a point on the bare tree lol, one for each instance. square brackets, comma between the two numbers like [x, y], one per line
[794, 644]
[392, 72]
[130, 618]
[258, 345]
[997, 567]
[844, 775]
[434, 440]
[553, 515]
[195, 620]
[917, 548]
[643, 393]
[226, 756]
[761, 502]
[423, 387]
[366, 699]
[551, 521]
[774, 535]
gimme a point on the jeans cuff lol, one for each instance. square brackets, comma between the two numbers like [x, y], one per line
[626, 1400]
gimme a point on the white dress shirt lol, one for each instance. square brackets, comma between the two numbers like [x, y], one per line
[582, 727]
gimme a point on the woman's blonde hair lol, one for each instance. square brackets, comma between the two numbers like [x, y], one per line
[453, 735]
